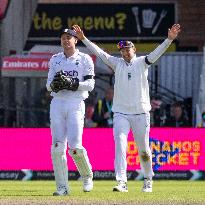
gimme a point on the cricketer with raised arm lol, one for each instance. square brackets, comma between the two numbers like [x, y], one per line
[131, 103]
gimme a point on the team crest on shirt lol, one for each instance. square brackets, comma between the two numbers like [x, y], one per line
[77, 62]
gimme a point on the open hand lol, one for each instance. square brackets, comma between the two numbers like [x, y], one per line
[174, 31]
[79, 33]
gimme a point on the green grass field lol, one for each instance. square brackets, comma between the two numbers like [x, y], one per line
[164, 192]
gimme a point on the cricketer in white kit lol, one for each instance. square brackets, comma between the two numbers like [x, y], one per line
[131, 103]
[70, 77]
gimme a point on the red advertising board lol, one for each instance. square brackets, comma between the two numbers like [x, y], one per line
[34, 65]
[19, 63]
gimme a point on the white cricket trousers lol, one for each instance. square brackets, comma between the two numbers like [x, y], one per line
[140, 125]
[67, 121]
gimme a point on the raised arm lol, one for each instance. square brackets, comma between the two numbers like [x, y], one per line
[159, 51]
[105, 57]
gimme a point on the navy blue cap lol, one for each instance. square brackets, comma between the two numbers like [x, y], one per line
[69, 32]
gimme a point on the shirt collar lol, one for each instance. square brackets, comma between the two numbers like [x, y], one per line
[74, 55]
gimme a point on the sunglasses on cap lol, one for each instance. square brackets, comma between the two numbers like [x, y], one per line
[125, 44]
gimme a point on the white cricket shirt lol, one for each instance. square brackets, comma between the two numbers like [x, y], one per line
[131, 89]
[77, 66]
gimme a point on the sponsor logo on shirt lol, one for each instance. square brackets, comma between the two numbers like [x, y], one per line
[71, 73]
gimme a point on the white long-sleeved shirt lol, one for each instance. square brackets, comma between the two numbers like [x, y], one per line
[78, 66]
[131, 89]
